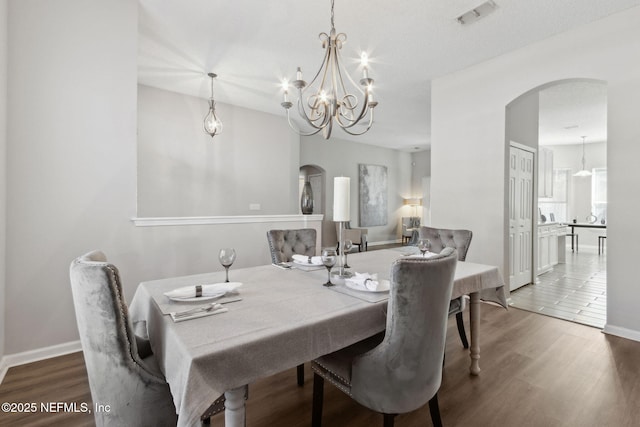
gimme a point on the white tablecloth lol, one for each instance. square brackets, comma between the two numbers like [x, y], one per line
[285, 318]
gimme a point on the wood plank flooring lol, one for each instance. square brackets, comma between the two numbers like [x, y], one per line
[575, 291]
[536, 371]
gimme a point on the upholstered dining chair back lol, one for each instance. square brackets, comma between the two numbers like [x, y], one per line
[133, 387]
[358, 236]
[283, 244]
[460, 240]
[404, 372]
[442, 238]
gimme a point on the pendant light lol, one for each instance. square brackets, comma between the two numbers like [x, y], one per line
[583, 171]
[212, 124]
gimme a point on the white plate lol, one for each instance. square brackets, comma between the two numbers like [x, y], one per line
[383, 286]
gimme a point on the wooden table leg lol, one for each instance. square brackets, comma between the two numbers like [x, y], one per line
[234, 410]
[474, 317]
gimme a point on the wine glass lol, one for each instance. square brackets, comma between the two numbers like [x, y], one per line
[424, 245]
[226, 257]
[329, 257]
[346, 247]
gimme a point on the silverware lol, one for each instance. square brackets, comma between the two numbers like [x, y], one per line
[205, 308]
[283, 265]
[202, 309]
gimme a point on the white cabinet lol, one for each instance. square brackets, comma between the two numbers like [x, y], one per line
[544, 260]
[545, 172]
[550, 244]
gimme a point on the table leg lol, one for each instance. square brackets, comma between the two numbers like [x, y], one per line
[234, 411]
[474, 320]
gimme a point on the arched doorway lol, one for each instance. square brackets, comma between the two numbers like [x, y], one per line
[550, 121]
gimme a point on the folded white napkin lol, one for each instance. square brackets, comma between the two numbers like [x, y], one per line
[367, 282]
[304, 259]
[210, 290]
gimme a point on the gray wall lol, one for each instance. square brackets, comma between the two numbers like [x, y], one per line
[184, 172]
[522, 118]
[420, 168]
[3, 162]
[71, 180]
[341, 158]
[70, 155]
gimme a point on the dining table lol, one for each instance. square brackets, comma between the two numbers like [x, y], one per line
[277, 319]
[575, 225]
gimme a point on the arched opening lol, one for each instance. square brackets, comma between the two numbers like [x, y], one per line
[557, 262]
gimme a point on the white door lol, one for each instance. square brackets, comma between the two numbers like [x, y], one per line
[520, 217]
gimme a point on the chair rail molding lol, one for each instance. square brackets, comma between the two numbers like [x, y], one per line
[236, 219]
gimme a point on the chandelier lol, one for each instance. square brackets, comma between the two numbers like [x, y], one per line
[212, 124]
[326, 100]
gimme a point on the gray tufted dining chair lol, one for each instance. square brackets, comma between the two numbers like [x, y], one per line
[400, 370]
[121, 369]
[460, 240]
[283, 244]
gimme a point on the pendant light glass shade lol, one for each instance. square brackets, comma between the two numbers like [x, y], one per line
[583, 171]
[212, 124]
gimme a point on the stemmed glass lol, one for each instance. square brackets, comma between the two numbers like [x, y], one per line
[226, 257]
[329, 260]
[424, 245]
[346, 247]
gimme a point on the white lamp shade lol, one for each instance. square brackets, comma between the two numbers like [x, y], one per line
[413, 202]
[341, 198]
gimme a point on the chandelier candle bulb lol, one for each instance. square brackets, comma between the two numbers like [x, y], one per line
[341, 198]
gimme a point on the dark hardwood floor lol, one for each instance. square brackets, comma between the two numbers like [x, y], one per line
[536, 371]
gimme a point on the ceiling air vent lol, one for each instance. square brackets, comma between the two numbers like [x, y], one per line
[477, 13]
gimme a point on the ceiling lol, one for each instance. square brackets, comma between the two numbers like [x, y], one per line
[571, 110]
[253, 44]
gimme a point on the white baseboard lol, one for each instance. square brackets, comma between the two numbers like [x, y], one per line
[17, 359]
[618, 331]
